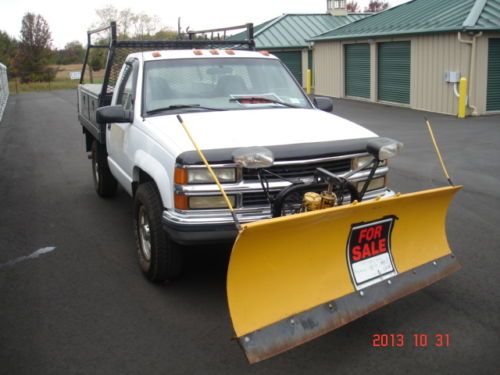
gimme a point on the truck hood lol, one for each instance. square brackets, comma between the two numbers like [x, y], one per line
[256, 127]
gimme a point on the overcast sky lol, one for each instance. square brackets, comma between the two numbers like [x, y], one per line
[69, 20]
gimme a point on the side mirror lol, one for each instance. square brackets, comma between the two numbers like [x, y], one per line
[324, 103]
[113, 113]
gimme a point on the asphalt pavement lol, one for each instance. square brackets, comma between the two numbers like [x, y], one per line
[73, 300]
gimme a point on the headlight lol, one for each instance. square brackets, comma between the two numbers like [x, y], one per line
[358, 162]
[375, 184]
[202, 175]
[213, 201]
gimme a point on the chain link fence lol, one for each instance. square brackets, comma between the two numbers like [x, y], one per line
[4, 89]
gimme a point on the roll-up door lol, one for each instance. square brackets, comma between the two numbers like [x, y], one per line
[493, 91]
[394, 69]
[293, 60]
[357, 70]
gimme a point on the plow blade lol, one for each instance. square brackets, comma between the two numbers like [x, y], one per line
[294, 278]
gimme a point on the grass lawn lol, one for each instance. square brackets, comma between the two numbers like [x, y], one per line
[61, 82]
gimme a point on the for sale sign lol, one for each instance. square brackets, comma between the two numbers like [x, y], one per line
[369, 252]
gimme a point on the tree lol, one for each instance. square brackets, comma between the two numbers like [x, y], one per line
[33, 54]
[376, 6]
[106, 15]
[129, 24]
[165, 34]
[97, 59]
[72, 53]
[353, 7]
[8, 48]
[124, 19]
[145, 25]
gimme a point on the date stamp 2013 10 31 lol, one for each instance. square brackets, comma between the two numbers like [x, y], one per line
[416, 340]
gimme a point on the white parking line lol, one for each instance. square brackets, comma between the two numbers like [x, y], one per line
[36, 254]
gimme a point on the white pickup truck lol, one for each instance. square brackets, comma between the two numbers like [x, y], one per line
[230, 98]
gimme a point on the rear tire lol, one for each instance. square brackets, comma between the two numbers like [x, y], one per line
[160, 258]
[104, 182]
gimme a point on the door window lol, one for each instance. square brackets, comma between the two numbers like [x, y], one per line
[126, 93]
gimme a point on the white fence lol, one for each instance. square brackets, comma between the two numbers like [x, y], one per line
[4, 89]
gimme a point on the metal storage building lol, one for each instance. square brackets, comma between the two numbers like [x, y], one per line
[287, 37]
[401, 56]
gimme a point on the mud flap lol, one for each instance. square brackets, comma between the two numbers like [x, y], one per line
[292, 279]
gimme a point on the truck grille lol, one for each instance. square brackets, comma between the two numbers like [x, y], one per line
[255, 199]
[299, 170]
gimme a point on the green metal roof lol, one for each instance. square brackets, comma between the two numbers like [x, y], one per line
[423, 16]
[294, 30]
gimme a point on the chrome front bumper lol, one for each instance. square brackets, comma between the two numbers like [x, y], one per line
[214, 226]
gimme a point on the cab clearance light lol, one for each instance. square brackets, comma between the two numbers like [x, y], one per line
[214, 52]
[198, 52]
[265, 53]
[230, 52]
[156, 54]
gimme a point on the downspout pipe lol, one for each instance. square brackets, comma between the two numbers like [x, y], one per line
[472, 66]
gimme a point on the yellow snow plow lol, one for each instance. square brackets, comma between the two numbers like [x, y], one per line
[321, 263]
[294, 278]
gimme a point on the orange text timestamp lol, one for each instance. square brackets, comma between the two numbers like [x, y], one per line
[417, 340]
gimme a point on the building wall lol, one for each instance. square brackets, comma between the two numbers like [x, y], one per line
[328, 69]
[305, 66]
[431, 56]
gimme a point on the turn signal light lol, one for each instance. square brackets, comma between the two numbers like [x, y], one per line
[181, 201]
[180, 176]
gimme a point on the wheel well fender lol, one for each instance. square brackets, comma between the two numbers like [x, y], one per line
[147, 168]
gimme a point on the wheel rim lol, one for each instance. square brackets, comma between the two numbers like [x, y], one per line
[144, 234]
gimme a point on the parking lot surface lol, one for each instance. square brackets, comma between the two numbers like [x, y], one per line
[81, 306]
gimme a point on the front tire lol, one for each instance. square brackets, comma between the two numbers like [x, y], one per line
[105, 183]
[160, 258]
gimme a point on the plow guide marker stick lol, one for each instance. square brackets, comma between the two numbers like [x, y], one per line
[434, 142]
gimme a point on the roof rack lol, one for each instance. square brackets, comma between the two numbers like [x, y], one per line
[196, 40]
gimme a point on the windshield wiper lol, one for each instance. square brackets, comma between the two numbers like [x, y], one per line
[261, 100]
[181, 106]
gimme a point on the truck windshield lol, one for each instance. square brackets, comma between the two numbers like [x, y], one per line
[219, 84]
